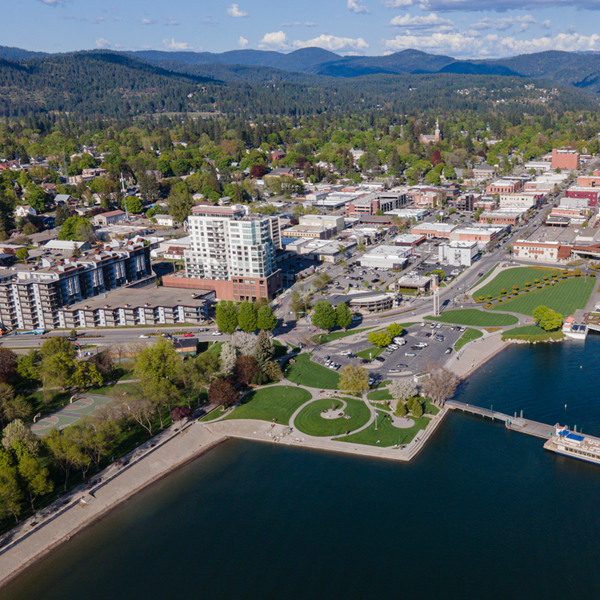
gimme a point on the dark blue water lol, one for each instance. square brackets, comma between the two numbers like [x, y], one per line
[482, 513]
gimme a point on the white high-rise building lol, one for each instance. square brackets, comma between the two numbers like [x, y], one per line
[230, 244]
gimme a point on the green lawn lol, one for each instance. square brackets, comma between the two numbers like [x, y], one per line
[310, 422]
[484, 277]
[386, 433]
[468, 336]
[277, 403]
[532, 333]
[476, 318]
[370, 352]
[517, 276]
[324, 338]
[215, 414]
[564, 297]
[379, 395]
[306, 372]
[215, 348]
[380, 406]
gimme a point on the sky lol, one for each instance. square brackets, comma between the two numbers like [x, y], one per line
[458, 28]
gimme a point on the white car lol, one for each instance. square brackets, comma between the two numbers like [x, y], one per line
[423, 324]
[217, 333]
[345, 352]
[144, 337]
[371, 381]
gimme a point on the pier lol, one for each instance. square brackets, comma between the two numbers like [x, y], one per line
[541, 430]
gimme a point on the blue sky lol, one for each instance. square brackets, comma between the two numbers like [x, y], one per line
[459, 28]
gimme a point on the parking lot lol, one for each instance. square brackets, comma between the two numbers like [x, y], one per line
[380, 367]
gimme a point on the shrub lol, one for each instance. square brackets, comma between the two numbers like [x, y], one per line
[489, 296]
[536, 281]
[503, 292]
[527, 284]
[515, 289]
[554, 275]
[545, 277]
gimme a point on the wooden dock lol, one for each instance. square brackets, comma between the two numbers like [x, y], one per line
[541, 430]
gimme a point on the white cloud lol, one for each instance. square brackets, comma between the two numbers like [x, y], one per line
[102, 43]
[398, 3]
[274, 40]
[234, 11]
[333, 43]
[472, 45]
[499, 5]
[210, 21]
[170, 22]
[146, 21]
[431, 21]
[278, 40]
[547, 24]
[242, 42]
[299, 24]
[356, 7]
[171, 44]
[52, 2]
[518, 23]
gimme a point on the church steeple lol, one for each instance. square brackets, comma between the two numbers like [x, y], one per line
[438, 135]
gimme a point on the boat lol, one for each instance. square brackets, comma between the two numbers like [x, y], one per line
[576, 445]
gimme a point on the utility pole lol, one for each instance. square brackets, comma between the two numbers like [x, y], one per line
[124, 198]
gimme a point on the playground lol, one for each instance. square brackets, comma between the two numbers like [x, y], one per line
[70, 413]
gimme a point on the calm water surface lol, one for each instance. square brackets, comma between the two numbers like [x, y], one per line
[481, 513]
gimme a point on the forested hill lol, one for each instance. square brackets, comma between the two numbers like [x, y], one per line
[116, 85]
[106, 84]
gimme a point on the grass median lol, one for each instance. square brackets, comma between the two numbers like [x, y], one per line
[306, 372]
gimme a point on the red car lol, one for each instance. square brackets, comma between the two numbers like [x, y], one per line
[188, 335]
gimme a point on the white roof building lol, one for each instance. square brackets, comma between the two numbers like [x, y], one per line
[386, 257]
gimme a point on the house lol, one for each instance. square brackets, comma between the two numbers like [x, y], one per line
[62, 199]
[165, 220]
[24, 210]
[109, 218]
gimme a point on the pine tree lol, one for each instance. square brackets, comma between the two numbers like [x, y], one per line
[264, 349]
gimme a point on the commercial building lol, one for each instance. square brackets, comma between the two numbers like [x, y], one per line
[458, 254]
[109, 218]
[481, 235]
[386, 257]
[408, 240]
[34, 296]
[502, 217]
[589, 180]
[433, 230]
[567, 160]
[311, 231]
[335, 222]
[232, 253]
[543, 252]
[519, 200]
[587, 193]
[503, 186]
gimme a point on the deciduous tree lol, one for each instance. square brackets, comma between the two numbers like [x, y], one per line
[227, 317]
[246, 367]
[343, 316]
[324, 315]
[403, 389]
[228, 357]
[247, 317]
[266, 320]
[441, 385]
[354, 379]
[381, 339]
[222, 392]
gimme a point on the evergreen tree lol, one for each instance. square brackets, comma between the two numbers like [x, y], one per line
[264, 349]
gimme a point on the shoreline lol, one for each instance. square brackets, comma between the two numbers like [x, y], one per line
[176, 450]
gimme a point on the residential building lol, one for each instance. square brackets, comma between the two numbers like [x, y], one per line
[232, 252]
[165, 220]
[129, 307]
[567, 160]
[458, 254]
[33, 296]
[24, 210]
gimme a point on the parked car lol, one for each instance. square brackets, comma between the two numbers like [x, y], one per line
[409, 354]
[394, 371]
[401, 366]
[188, 335]
[448, 351]
[371, 381]
[217, 333]
[144, 337]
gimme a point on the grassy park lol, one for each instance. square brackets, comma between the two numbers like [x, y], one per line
[325, 338]
[532, 333]
[370, 352]
[310, 422]
[564, 297]
[480, 281]
[515, 276]
[379, 395]
[475, 318]
[386, 433]
[468, 336]
[306, 372]
[266, 404]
